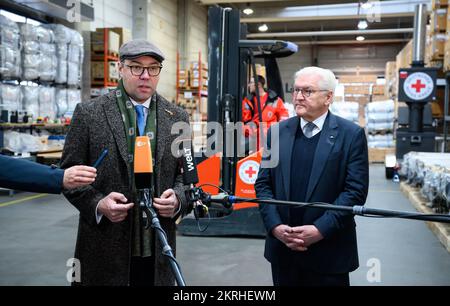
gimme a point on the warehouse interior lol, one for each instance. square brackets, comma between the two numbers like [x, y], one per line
[55, 55]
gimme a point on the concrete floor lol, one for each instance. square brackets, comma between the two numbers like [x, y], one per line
[38, 237]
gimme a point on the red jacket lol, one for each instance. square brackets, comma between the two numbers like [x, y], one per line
[272, 111]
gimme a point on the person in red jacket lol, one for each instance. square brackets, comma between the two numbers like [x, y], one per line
[271, 106]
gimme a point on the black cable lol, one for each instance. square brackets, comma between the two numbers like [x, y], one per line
[212, 185]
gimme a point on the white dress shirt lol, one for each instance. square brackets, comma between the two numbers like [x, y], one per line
[319, 122]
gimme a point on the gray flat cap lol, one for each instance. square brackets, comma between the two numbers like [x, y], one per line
[140, 47]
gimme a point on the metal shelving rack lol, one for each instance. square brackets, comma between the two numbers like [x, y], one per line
[446, 108]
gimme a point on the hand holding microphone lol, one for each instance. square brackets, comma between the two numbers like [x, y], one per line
[114, 207]
[167, 204]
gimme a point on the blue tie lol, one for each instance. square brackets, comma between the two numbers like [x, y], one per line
[140, 119]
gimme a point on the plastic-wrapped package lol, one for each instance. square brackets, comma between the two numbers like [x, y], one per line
[61, 101]
[22, 142]
[29, 32]
[62, 34]
[73, 74]
[47, 105]
[30, 46]
[75, 58]
[10, 62]
[47, 49]
[73, 98]
[9, 33]
[74, 53]
[381, 106]
[30, 100]
[347, 110]
[380, 141]
[9, 48]
[31, 64]
[31, 60]
[379, 126]
[380, 117]
[48, 63]
[31, 53]
[61, 72]
[10, 97]
[45, 35]
[61, 52]
[47, 70]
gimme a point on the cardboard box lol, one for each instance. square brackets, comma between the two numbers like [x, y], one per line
[377, 155]
[404, 57]
[438, 46]
[378, 90]
[124, 35]
[358, 79]
[97, 41]
[357, 90]
[97, 70]
[437, 4]
[438, 20]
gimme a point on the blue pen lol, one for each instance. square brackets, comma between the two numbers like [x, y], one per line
[100, 159]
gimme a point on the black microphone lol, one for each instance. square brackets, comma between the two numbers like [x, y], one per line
[194, 195]
[190, 175]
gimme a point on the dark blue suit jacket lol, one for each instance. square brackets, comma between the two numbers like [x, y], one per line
[340, 175]
[29, 176]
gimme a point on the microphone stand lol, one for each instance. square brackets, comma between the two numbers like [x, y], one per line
[150, 218]
[359, 210]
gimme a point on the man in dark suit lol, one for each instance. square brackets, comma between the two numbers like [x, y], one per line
[112, 245]
[324, 159]
[25, 175]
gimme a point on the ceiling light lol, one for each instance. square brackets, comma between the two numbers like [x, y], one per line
[247, 11]
[263, 28]
[367, 5]
[360, 38]
[362, 25]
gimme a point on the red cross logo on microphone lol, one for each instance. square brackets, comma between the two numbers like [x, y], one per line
[418, 86]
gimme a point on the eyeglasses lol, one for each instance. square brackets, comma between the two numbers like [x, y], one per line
[139, 70]
[306, 92]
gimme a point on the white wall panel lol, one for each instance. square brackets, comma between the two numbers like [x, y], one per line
[163, 32]
[112, 13]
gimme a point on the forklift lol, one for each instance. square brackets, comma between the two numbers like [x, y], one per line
[231, 61]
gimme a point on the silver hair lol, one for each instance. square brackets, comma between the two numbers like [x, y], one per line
[328, 79]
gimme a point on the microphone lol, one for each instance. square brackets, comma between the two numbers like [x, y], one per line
[199, 199]
[143, 171]
[143, 165]
[225, 199]
[190, 175]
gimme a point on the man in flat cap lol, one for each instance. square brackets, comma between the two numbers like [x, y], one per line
[113, 247]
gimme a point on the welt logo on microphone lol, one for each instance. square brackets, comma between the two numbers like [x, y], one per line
[187, 153]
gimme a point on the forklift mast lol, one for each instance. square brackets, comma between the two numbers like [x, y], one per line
[230, 57]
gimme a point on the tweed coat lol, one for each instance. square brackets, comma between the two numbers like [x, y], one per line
[104, 249]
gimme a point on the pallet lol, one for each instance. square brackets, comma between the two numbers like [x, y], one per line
[377, 155]
[102, 53]
[100, 82]
[441, 230]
